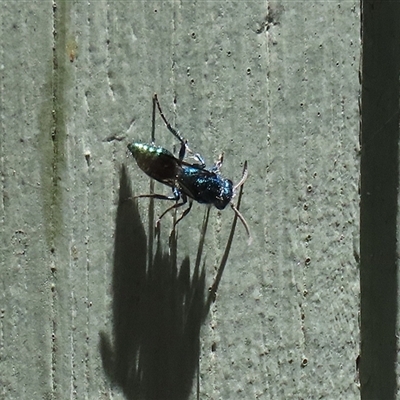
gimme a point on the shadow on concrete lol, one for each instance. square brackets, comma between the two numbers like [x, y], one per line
[158, 309]
[379, 199]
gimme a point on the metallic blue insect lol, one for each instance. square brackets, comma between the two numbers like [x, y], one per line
[187, 180]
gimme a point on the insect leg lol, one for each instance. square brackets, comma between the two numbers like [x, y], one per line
[153, 122]
[176, 195]
[218, 164]
[155, 196]
[184, 142]
[186, 212]
[176, 205]
[170, 128]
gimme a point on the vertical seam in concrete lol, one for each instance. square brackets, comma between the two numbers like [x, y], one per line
[86, 378]
[53, 296]
[2, 205]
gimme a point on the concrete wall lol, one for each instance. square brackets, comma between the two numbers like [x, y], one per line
[274, 83]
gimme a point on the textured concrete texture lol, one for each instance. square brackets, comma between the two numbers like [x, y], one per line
[85, 312]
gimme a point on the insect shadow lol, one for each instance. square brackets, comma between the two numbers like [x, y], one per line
[158, 308]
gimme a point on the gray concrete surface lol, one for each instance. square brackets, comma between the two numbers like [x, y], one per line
[274, 83]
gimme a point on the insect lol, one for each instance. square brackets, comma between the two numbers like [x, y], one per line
[193, 181]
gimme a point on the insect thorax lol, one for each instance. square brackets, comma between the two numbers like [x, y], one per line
[206, 187]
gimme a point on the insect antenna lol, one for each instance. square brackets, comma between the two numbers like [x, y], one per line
[243, 180]
[237, 212]
[240, 216]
